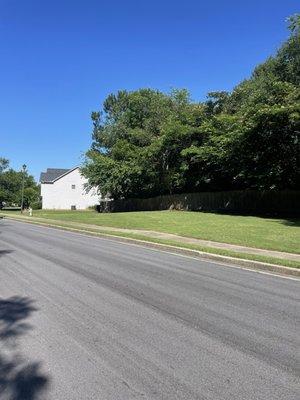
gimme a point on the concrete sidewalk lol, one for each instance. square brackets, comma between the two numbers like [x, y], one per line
[167, 236]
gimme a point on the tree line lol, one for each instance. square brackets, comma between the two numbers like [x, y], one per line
[146, 142]
[11, 182]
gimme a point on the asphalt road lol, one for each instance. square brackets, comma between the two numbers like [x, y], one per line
[88, 318]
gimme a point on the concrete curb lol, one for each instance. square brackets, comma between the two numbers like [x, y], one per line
[226, 260]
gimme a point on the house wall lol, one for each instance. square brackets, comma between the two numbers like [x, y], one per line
[60, 195]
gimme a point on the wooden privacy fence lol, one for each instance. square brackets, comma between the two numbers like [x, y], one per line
[284, 202]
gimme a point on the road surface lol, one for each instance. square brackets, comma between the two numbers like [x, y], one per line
[85, 318]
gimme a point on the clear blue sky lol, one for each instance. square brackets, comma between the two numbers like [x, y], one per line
[60, 59]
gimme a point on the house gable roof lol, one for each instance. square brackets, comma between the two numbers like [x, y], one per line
[53, 174]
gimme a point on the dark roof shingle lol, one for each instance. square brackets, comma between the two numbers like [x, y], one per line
[52, 174]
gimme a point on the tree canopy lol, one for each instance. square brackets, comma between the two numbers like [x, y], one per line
[146, 142]
[11, 186]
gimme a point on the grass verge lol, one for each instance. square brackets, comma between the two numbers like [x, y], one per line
[265, 233]
[222, 252]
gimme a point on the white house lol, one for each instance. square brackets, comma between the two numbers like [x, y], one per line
[64, 189]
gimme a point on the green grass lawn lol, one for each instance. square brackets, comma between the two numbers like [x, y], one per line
[265, 233]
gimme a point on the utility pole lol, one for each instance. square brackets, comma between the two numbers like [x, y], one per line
[23, 183]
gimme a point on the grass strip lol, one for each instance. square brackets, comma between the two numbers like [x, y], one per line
[143, 237]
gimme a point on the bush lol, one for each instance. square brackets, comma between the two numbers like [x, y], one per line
[36, 205]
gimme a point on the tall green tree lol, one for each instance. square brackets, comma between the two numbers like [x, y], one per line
[11, 186]
[147, 142]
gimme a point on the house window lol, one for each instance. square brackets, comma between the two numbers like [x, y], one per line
[73, 186]
[73, 208]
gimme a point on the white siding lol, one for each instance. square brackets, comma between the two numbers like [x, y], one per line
[60, 195]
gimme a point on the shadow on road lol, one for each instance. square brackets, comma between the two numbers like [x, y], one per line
[4, 252]
[20, 379]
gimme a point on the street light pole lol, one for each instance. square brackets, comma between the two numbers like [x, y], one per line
[23, 184]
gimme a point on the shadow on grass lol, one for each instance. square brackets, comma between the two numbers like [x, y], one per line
[283, 219]
[20, 378]
[291, 222]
